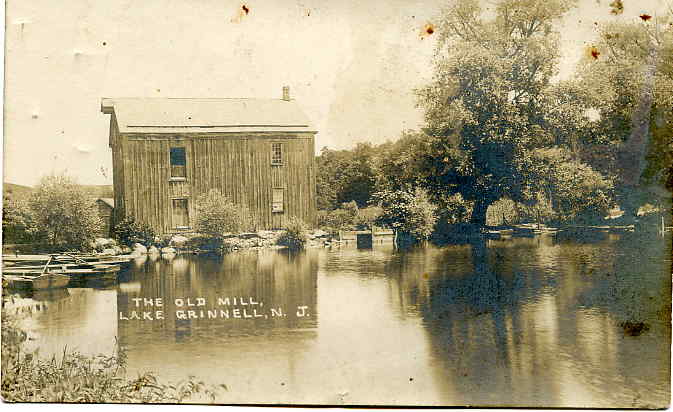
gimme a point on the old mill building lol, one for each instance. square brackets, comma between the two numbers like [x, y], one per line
[166, 152]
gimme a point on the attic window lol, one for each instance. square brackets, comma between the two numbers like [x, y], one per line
[276, 153]
[178, 162]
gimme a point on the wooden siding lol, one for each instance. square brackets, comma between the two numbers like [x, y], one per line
[118, 181]
[238, 165]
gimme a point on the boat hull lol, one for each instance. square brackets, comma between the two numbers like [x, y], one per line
[41, 282]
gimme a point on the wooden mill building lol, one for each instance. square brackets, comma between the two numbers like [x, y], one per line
[166, 152]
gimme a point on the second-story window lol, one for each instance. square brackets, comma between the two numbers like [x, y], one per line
[276, 153]
[178, 162]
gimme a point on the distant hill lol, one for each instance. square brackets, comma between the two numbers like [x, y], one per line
[99, 190]
[12, 190]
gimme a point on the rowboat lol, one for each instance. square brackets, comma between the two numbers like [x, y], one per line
[63, 267]
[84, 273]
[64, 258]
[499, 234]
[39, 282]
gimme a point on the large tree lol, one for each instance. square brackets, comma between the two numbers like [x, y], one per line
[630, 83]
[488, 102]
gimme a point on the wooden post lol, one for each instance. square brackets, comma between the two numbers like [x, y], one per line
[44, 270]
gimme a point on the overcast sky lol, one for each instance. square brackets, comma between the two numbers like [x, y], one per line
[352, 66]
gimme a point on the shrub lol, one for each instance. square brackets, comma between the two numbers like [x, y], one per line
[502, 212]
[129, 231]
[576, 192]
[335, 220]
[294, 236]
[348, 217]
[62, 215]
[409, 212]
[366, 218]
[216, 215]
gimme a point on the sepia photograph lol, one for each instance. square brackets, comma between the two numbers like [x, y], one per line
[393, 203]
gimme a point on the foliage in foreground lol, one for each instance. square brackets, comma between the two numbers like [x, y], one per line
[83, 379]
[294, 236]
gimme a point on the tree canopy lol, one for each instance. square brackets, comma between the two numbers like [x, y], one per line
[488, 101]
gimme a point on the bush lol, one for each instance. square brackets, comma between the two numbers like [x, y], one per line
[454, 209]
[129, 231]
[408, 212]
[366, 218]
[294, 236]
[503, 212]
[62, 215]
[216, 215]
[578, 193]
[348, 217]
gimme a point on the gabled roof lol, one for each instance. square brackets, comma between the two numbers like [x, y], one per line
[107, 200]
[184, 115]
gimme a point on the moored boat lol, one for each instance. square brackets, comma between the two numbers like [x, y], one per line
[39, 282]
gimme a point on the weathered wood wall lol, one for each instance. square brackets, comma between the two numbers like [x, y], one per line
[236, 164]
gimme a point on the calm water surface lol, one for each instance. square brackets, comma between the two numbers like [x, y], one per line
[527, 322]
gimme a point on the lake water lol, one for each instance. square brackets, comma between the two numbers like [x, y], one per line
[526, 322]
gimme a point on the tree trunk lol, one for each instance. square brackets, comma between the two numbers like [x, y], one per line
[479, 212]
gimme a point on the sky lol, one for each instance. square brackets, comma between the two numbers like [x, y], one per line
[353, 66]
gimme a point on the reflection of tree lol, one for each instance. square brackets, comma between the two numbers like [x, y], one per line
[530, 321]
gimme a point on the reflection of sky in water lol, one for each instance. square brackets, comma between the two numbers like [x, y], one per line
[529, 322]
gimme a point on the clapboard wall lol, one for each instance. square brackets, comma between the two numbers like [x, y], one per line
[238, 164]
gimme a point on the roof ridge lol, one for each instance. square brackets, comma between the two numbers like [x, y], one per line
[200, 98]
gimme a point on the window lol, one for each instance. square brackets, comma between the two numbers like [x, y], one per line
[180, 214]
[178, 162]
[276, 153]
[277, 200]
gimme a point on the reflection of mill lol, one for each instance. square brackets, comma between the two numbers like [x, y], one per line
[278, 280]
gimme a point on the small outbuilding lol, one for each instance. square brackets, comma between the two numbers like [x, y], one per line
[106, 212]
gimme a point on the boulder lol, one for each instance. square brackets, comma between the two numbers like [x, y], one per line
[320, 234]
[178, 241]
[109, 252]
[168, 250]
[249, 235]
[126, 250]
[153, 250]
[102, 243]
[117, 249]
[139, 249]
[267, 234]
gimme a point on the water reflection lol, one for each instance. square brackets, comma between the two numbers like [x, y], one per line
[194, 345]
[525, 322]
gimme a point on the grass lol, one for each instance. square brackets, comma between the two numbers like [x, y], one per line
[75, 378]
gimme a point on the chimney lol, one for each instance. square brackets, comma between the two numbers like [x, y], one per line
[286, 93]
